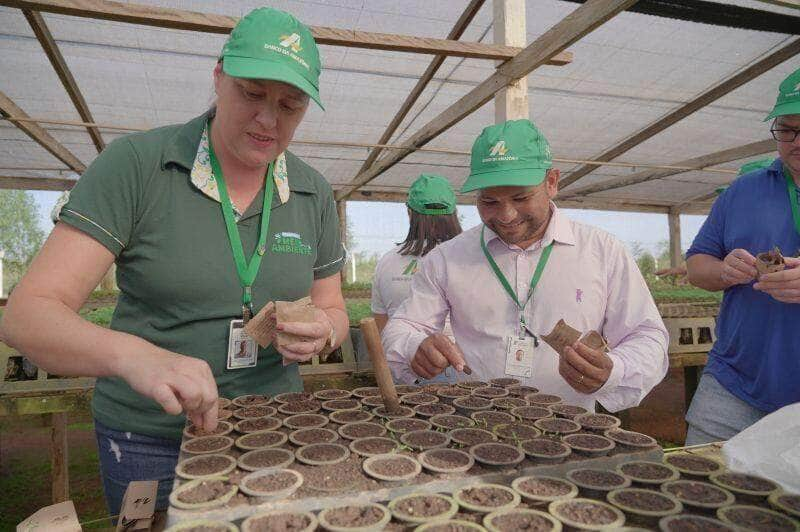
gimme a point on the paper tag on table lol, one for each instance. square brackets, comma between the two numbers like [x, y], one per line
[59, 517]
[138, 506]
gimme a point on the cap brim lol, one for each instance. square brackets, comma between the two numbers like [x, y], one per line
[527, 177]
[249, 68]
[788, 108]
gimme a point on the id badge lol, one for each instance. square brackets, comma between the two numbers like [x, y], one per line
[242, 350]
[519, 356]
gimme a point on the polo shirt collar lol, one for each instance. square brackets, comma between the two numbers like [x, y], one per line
[559, 229]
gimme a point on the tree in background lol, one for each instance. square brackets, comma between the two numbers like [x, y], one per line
[20, 235]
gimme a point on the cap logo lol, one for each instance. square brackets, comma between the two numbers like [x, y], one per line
[291, 41]
[498, 153]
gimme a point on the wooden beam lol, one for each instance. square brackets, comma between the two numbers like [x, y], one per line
[578, 23]
[59, 457]
[675, 251]
[164, 17]
[696, 163]
[710, 95]
[511, 102]
[9, 109]
[35, 183]
[783, 3]
[458, 30]
[50, 47]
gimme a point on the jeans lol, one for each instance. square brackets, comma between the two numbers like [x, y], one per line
[716, 414]
[125, 456]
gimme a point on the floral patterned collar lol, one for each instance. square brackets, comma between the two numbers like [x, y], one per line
[203, 178]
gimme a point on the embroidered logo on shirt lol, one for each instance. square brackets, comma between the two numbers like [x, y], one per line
[578, 296]
[411, 269]
[288, 242]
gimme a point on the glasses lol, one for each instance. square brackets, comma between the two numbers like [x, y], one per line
[785, 135]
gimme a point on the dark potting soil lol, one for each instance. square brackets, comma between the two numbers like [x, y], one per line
[504, 382]
[487, 496]
[542, 398]
[407, 425]
[490, 392]
[424, 439]
[531, 412]
[331, 478]
[366, 391]
[472, 402]
[206, 528]
[252, 400]
[207, 445]
[361, 430]
[451, 421]
[354, 516]
[205, 491]
[402, 411]
[309, 436]
[301, 407]
[587, 441]
[264, 458]
[692, 463]
[277, 481]
[434, 409]
[693, 523]
[586, 513]
[545, 487]
[470, 385]
[372, 400]
[446, 458]
[305, 421]
[405, 389]
[500, 453]
[567, 410]
[205, 465]
[646, 500]
[521, 390]
[397, 466]
[350, 416]
[374, 445]
[342, 404]
[515, 431]
[754, 518]
[222, 427]
[545, 447]
[262, 439]
[415, 399]
[598, 421]
[507, 403]
[746, 482]
[322, 452]
[287, 522]
[471, 436]
[262, 423]
[514, 521]
[327, 395]
[557, 425]
[254, 411]
[444, 526]
[452, 392]
[632, 438]
[790, 501]
[491, 418]
[294, 397]
[597, 478]
[224, 413]
[646, 471]
[695, 491]
[423, 506]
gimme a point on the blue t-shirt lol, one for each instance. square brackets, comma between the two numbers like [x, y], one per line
[757, 353]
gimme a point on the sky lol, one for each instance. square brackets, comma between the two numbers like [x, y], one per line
[378, 226]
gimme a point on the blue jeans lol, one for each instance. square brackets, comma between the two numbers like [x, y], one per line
[716, 414]
[125, 456]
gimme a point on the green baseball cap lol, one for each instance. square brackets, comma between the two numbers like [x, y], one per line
[755, 165]
[271, 44]
[788, 102]
[431, 189]
[514, 153]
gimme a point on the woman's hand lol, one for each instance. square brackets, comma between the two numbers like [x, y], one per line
[178, 383]
[315, 334]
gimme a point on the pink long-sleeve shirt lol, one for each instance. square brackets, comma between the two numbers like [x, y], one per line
[590, 280]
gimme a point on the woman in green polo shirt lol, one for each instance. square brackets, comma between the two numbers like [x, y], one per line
[207, 222]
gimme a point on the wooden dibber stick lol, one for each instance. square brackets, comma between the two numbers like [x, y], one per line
[372, 337]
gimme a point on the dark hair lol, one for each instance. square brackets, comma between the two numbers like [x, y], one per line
[426, 231]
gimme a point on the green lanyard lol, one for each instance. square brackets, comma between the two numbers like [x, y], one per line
[537, 274]
[792, 189]
[247, 271]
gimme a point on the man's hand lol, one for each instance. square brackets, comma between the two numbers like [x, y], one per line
[434, 354]
[178, 383]
[315, 336]
[738, 267]
[783, 286]
[585, 369]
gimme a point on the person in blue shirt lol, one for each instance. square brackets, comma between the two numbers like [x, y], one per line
[754, 367]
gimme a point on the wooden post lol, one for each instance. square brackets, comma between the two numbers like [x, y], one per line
[372, 337]
[675, 253]
[341, 210]
[58, 456]
[509, 29]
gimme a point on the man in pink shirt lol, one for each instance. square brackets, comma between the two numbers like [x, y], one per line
[508, 281]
